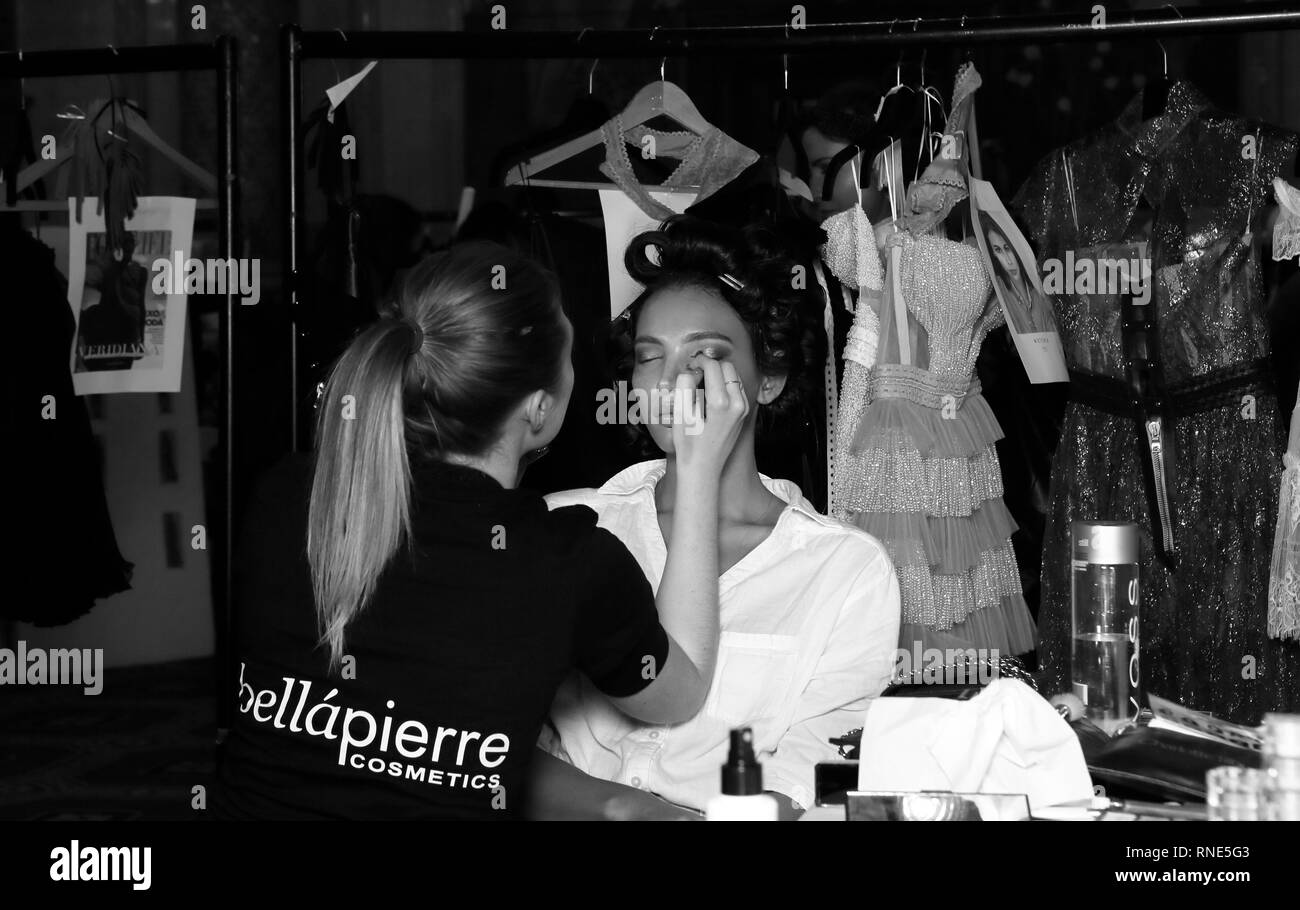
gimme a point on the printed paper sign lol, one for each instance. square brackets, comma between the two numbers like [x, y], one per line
[623, 221]
[129, 336]
[1014, 273]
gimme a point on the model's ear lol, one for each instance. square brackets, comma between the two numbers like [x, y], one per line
[770, 388]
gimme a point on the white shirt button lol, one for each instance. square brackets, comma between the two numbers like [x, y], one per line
[636, 781]
[654, 734]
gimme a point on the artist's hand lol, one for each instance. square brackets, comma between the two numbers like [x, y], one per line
[704, 435]
[639, 806]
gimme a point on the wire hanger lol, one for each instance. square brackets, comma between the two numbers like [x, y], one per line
[930, 97]
[1156, 93]
[789, 123]
[898, 80]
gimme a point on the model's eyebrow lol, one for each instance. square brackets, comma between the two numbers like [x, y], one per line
[694, 336]
[704, 336]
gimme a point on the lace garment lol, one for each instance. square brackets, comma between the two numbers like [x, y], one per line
[707, 162]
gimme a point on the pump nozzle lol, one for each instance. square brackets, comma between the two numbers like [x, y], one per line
[742, 775]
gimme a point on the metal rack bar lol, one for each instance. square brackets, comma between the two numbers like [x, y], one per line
[779, 37]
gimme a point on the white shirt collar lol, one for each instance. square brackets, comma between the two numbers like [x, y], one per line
[647, 474]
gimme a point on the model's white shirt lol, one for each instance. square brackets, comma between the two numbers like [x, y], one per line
[809, 623]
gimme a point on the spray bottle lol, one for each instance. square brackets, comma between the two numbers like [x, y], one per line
[742, 797]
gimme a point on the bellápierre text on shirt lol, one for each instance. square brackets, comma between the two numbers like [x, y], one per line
[291, 708]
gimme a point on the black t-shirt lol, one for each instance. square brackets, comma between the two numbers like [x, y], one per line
[450, 669]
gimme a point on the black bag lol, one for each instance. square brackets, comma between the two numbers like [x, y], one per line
[1161, 765]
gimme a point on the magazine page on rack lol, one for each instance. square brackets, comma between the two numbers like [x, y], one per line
[130, 313]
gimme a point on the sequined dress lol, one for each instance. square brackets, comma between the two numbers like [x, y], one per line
[1173, 421]
[915, 463]
[917, 467]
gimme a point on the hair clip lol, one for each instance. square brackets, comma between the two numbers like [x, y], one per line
[731, 282]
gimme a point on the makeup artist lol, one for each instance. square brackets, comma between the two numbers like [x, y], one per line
[405, 613]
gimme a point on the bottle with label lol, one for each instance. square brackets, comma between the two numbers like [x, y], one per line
[742, 798]
[1104, 602]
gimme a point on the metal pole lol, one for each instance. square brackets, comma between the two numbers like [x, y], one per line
[778, 38]
[291, 84]
[228, 200]
[100, 60]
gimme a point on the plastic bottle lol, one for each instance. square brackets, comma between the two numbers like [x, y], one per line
[742, 798]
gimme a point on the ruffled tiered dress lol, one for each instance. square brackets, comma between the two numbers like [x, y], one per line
[916, 465]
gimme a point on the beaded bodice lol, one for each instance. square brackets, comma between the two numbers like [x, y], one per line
[945, 312]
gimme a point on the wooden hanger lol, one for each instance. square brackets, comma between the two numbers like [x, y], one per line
[134, 125]
[658, 99]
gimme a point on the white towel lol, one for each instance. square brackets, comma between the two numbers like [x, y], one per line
[1007, 739]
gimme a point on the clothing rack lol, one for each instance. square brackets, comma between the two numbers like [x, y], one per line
[781, 38]
[219, 57]
[297, 45]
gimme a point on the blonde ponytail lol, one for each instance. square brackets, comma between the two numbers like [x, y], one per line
[361, 489]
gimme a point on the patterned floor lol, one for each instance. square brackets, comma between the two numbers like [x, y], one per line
[135, 751]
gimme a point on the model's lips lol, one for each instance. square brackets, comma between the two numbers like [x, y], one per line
[666, 410]
[664, 399]
[671, 403]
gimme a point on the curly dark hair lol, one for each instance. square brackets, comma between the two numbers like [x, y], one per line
[777, 302]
